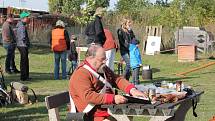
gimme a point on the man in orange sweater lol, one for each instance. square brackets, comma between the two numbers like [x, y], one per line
[85, 88]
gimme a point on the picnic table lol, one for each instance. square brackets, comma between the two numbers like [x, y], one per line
[157, 111]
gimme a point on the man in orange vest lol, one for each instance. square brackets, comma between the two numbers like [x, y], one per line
[59, 45]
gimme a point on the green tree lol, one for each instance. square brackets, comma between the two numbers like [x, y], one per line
[55, 6]
[200, 11]
[71, 7]
[77, 9]
[131, 5]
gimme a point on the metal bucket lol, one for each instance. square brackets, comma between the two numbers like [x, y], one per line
[147, 74]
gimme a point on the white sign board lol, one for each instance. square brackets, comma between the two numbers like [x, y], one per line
[79, 50]
[153, 45]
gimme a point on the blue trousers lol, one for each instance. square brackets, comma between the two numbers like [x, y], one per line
[9, 62]
[60, 56]
[72, 67]
[127, 72]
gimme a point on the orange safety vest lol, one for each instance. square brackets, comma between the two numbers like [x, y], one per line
[58, 40]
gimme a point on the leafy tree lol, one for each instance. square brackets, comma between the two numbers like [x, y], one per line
[55, 5]
[131, 5]
[200, 11]
[79, 10]
[71, 7]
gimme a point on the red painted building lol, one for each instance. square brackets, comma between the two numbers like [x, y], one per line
[39, 19]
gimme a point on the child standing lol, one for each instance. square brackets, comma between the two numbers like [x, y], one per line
[73, 55]
[135, 60]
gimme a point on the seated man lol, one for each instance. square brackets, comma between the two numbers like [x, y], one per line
[85, 87]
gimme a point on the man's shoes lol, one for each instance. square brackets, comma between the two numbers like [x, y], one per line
[16, 71]
[12, 71]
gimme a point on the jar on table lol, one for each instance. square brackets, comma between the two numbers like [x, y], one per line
[178, 86]
[151, 93]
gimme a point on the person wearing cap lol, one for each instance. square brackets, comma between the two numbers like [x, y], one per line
[9, 43]
[23, 44]
[60, 43]
[94, 30]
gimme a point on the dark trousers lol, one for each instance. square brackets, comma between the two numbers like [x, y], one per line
[24, 63]
[9, 62]
[135, 76]
[127, 72]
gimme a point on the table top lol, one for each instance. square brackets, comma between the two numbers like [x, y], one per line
[135, 108]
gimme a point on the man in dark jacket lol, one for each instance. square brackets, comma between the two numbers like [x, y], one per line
[9, 43]
[94, 30]
[23, 44]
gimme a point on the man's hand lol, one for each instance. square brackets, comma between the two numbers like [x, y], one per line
[119, 99]
[137, 93]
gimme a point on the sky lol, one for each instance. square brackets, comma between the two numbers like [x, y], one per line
[41, 5]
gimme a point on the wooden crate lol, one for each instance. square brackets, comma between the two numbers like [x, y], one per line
[187, 53]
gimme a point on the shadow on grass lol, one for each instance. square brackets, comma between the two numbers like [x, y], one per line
[34, 75]
[21, 114]
[154, 70]
[27, 112]
[40, 98]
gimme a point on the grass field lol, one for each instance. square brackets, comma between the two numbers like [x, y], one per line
[164, 67]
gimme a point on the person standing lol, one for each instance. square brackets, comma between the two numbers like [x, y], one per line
[125, 35]
[73, 55]
[60, 43]
[94, 30]
[9, 43]
[110, 47]
[23, 44]
[135, 60]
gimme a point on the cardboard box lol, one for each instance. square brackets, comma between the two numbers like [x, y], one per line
[187, 53]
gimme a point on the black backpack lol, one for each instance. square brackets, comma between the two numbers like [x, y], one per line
[4, 98]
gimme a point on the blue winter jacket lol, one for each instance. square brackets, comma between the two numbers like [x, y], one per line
[135, 57]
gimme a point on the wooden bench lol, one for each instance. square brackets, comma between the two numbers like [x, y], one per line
[55, 101]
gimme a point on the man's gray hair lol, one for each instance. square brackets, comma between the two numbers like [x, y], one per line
[92, 50]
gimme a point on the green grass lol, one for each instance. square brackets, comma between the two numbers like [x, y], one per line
[164, 67]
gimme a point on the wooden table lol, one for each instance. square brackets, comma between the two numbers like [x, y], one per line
[158, 112]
